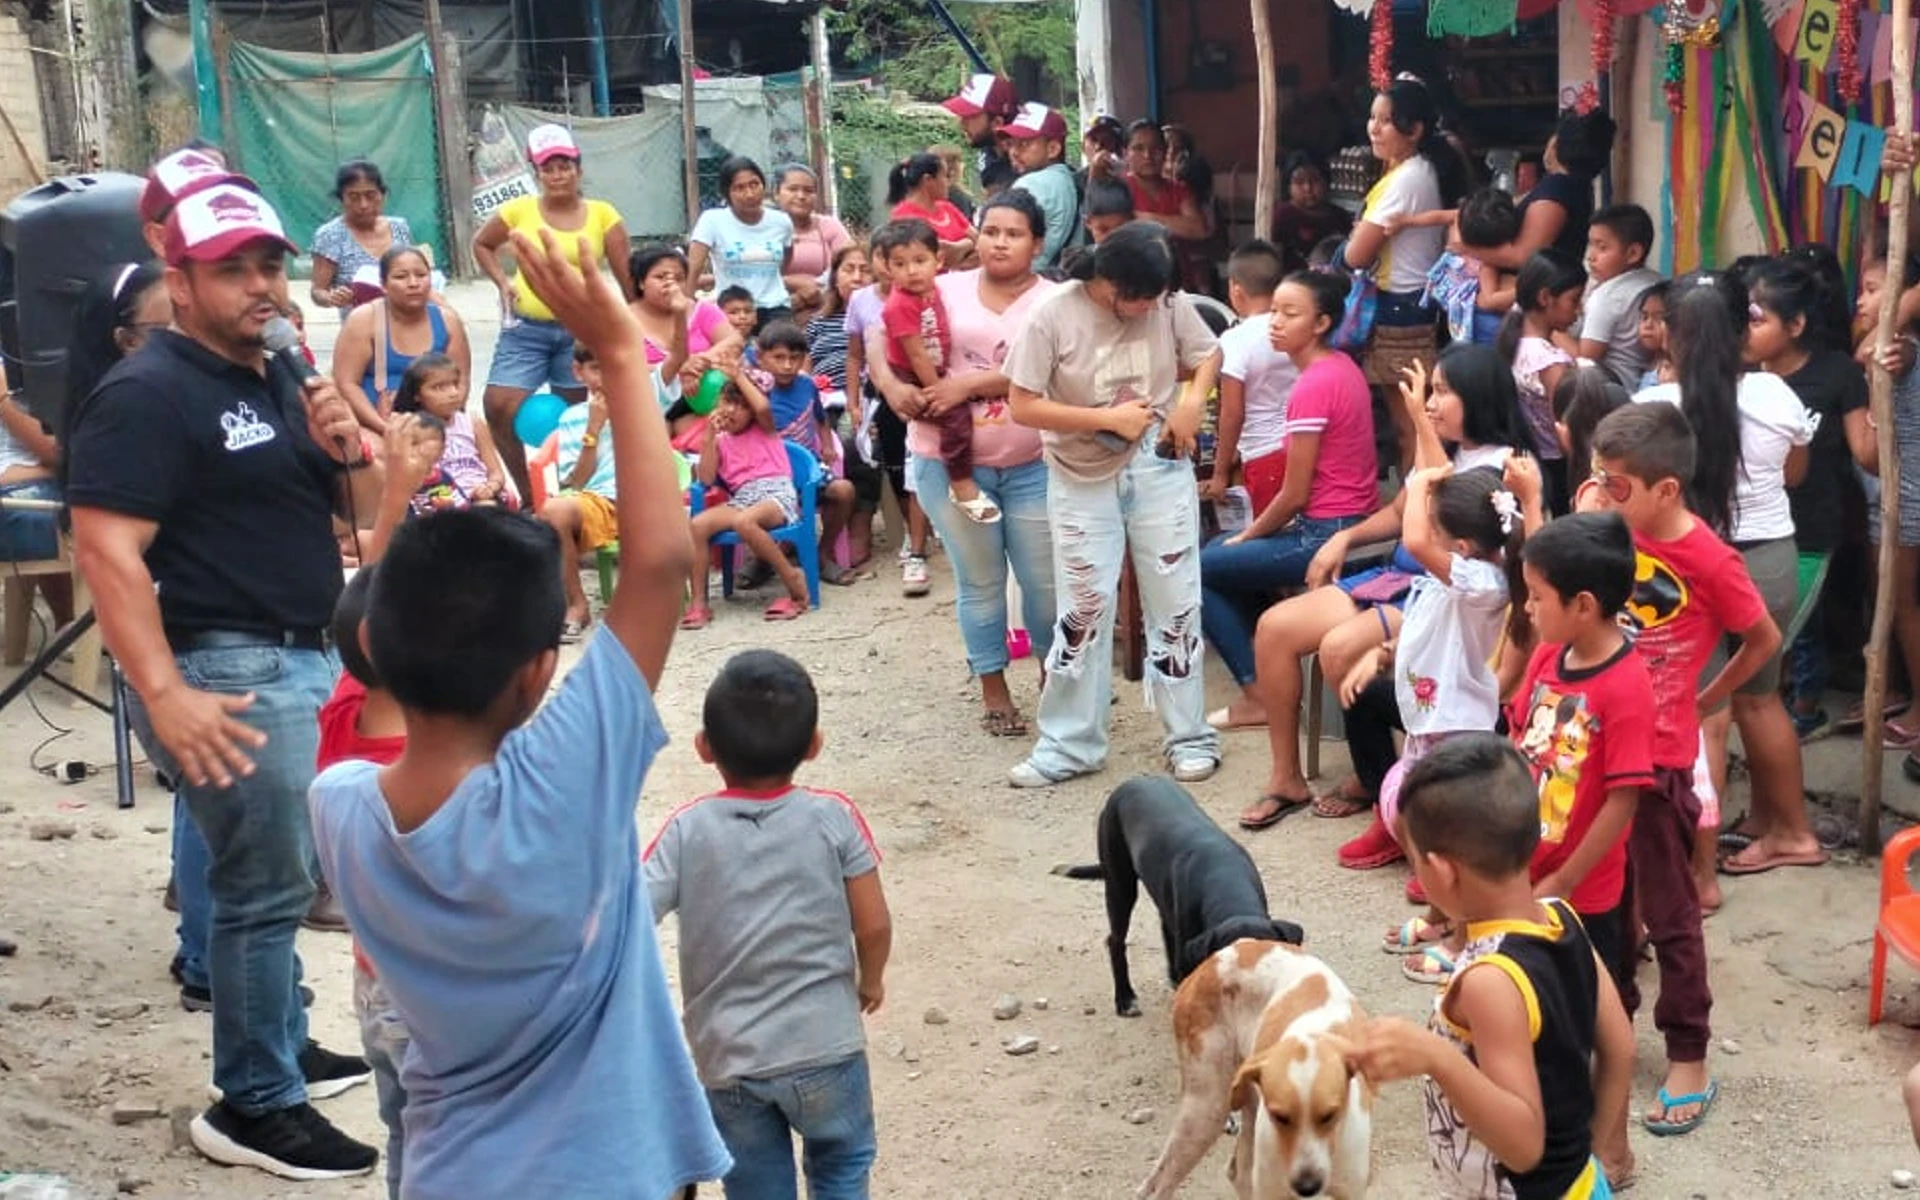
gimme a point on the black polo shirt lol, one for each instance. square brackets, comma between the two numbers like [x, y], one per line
[221, 459]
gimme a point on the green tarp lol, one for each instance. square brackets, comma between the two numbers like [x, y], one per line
[296, 117]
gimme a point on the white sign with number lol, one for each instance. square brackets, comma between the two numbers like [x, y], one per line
[489, 198]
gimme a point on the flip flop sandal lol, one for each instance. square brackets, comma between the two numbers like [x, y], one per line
[1412, 936]
[1856, 716]
[1895, 735]
[696, 618]
[837, 575]
[784, 609]
[1662, 1127]
[1435, 967]
[1002, 722]
[1809, 858]
[1284, 807]
[1222, 719]
[1341, 803]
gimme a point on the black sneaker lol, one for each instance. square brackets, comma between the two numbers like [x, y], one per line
[293, 1143]
[200, 1000]
[328, 1074]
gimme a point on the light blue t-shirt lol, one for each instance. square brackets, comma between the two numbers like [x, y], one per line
[748, 256]
[512, 932]
[1052, 186]
[572, 431]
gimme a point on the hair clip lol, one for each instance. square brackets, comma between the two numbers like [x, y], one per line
[1505, 504]
[120, 281]
[1755, 312]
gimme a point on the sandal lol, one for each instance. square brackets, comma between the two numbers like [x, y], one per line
[1004, 722]
[1899, 735]
[1413, 935]
[835, 574]
[1347, 800]
[697, 617]
[979, 510]
[1741, 863]
[786, 608]
[1661, 1126]
[1434, 966]
[1857, 715]
[1281, 807]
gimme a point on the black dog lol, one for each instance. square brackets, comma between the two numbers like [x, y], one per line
[1203, 882]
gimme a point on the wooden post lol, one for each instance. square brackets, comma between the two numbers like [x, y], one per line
[1878, 641]
[1266, 178]
[689, 128]
[823, 91]
[456, 169]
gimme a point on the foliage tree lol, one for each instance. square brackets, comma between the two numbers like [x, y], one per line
[907, 47]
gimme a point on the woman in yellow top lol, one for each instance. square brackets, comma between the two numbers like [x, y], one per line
[535, 349]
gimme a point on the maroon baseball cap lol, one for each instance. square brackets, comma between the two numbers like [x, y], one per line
[989, 94]
[218, 220]
[1036, 120]
[178, 176]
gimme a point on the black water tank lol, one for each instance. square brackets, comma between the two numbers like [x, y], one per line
[54, 241]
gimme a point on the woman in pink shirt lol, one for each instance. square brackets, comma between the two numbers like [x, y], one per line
[917, 189]
[985, 307]
[681, 340]
[817, 237]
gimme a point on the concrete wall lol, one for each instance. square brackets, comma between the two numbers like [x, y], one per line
[20, 101]
[1224, 113]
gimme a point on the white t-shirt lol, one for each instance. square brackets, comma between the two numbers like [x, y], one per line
[14, 452]
[1442, 675]
[1772, 423]
[1268, 375]
[1465, 459]
[1611, 314]
[748, 256]
[1412, 187]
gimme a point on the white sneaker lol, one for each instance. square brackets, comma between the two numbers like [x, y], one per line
[1026, 775]
[914, 580]
[1194, 766]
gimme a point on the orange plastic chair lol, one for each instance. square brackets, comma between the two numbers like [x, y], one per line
[1899, 924]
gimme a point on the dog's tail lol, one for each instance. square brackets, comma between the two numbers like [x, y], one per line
[1081, 871]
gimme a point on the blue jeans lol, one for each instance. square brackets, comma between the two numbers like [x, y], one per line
[261, 865]
[384, 1040]
[190, 861]
[1807, 660]
[982, 554]
[27, 536]
[1152, 510]
[1237, 584]
[830, 1107]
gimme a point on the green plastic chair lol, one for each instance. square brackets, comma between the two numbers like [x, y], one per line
[1812, 577]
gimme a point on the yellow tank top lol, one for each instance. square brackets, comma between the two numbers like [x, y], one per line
[522, 215]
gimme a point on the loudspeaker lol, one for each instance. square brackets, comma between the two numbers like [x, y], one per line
[54, 241]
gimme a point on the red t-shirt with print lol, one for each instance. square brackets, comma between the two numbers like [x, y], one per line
[341, 741]
[1585, 732]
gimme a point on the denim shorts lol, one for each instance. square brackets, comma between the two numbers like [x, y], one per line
[531, 353]
[29, 536]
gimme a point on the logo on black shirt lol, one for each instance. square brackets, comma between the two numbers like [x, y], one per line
[244, 428]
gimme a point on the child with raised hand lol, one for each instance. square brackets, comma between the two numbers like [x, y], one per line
[741, 452]
[1546, 305]
[919, 343]
[784, 937]
[542, 1062]
[470, 462]
[1528, 1055]
[1690, 590]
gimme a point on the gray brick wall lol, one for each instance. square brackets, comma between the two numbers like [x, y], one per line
[20, 100]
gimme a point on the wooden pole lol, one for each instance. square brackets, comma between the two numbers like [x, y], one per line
[450, 115]
[823, 91]
[1266, 177]
[689, 128]
[1878, 641]
[20, 144]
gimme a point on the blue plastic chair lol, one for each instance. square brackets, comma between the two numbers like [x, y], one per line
[808, 478]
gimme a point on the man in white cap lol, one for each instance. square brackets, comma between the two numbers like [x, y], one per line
[204, 479]
[1037, 138]
[984, 105]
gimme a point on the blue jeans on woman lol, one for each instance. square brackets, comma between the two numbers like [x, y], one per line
[830, 1107]
[981, 554]
[260, 865]
[1237, 583]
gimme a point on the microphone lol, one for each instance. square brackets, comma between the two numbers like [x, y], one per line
[283, 342]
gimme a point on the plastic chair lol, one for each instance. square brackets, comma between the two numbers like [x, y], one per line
[1810, 578]
[543, 476]
[1899, 925]
[808, 478]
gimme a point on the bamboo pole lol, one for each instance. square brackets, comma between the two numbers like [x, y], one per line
[689, 123]
[1878, 641]
[1265, 178]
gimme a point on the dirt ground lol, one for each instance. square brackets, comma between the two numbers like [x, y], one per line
[1810, 1100]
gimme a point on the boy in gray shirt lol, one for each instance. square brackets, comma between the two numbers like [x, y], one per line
[784, 936]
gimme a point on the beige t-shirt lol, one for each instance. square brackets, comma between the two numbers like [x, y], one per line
[1074, 351]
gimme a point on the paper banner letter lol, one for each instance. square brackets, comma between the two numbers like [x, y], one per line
[1786, 30]
[1818, 27]
[1858, 166]
[1825, 131]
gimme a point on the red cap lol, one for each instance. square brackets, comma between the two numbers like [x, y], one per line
[551, 141]
[1036, 120]
[219, 220]
[178, 176]
[989, 94]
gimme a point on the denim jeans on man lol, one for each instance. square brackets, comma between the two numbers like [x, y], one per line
[981, 554]
[1238, 582]
[190, 861]
[261, 865]
[1152, 509]
[830, 1107]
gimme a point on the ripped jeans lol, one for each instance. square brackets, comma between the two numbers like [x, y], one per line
[1151, 509]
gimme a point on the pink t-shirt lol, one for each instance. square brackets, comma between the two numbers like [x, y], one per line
[815, 246]
[1331, 399]
[706, 324]
[752, 454]
[980, 339]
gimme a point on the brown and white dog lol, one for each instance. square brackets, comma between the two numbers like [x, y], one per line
[1258, 1030]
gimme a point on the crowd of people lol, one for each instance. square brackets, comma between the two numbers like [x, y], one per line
[1609, 504]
